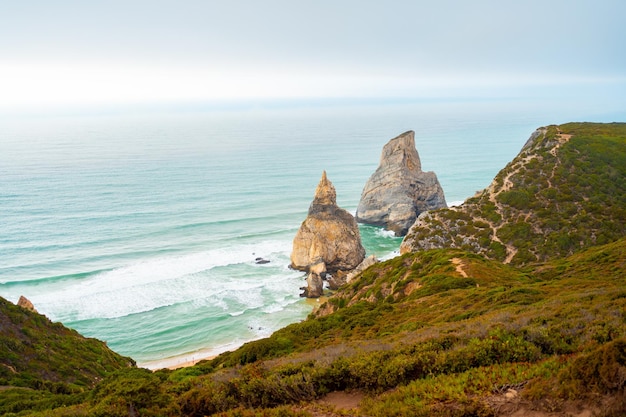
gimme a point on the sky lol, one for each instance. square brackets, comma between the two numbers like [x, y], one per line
[64, 53]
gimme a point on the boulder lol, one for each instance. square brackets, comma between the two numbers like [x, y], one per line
[329, 234]
[26, 303]
[367, 262]
[399, 190]
[342, 278]
[315, 281]
[261, 261]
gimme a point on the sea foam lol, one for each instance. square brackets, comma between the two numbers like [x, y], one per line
[198, 278]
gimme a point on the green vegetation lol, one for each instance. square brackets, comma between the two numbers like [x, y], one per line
[563, 193]
[37, 353]
[435, 342]
[46, 364]
[443, 332]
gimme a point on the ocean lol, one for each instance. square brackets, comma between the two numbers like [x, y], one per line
[142, 228]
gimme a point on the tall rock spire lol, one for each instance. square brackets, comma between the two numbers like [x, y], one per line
[325, 193]
[399, 190]
[329, 235]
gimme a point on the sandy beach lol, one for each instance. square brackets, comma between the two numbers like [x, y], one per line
[177, 362]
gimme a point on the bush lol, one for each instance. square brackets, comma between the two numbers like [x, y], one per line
[602, 371]
[133, 389]
[517, 198]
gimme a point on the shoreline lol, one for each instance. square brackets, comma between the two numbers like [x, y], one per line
[185, 360]
[180, 361]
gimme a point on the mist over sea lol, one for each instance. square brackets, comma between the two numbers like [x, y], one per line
[142, 229]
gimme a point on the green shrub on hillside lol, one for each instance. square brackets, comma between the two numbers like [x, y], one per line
[42, 355]
[561, 196]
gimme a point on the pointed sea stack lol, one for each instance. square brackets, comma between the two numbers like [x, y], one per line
[329, 234]
[399, 190]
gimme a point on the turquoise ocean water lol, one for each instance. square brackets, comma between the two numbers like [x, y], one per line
[142, 229]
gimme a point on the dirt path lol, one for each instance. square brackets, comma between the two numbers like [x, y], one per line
[458, 263]
[507, 184]
[561, 139]
[343, 400]
[511, 250]
[335, 404]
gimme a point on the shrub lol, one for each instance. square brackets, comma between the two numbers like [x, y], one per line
[603, 371]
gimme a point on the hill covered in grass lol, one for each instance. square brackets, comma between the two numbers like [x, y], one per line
[564, 192]
[457, 335]
[455, 330]
[37, 355]
[444, 332]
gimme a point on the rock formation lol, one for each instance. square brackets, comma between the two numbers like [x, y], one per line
[342, 278]
[399, 190]
[315, 281]
[329, 234]
[367, 262]
[26, 303]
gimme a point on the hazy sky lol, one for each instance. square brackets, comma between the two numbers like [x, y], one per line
[66, 52]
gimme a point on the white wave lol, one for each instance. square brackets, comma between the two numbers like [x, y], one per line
[250, 296]
[455, 203]
[385, 233]
[390, 255]
[164, 281]
[260, 328]
[274, 308]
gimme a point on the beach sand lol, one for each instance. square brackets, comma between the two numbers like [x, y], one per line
[177, 362]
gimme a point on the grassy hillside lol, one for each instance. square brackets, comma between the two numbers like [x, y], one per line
[565, 191]
[474, 329]
[437, 333]
[38, 355]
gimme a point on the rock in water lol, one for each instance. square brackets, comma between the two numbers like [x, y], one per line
[399, 190]
[315, 281]
[329, 234]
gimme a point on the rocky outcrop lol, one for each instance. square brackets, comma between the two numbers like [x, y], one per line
[315, 281]
[26, 303]
[329, 234]
[367, 262]
[341, 278]
[399, 190]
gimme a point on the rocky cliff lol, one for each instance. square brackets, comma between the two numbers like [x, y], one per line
[565, 191]
[399, 190]
[329, 234]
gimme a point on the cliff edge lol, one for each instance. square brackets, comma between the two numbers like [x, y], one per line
[565, 191]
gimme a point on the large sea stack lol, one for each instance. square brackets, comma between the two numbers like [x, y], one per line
[329, 235]
[399, 190]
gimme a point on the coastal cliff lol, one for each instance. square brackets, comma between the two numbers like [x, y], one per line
[564, 191]
[399, 190]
